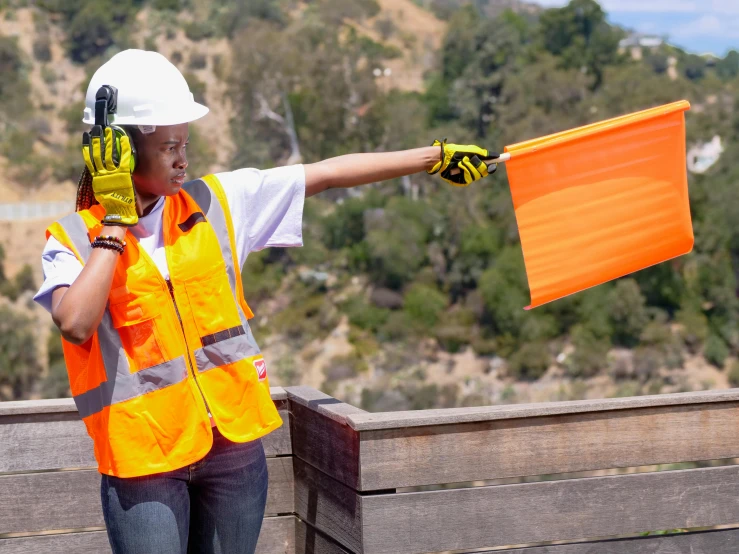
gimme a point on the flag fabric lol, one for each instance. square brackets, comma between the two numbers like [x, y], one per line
[601, 201]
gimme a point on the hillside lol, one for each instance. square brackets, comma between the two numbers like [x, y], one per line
[434, 319]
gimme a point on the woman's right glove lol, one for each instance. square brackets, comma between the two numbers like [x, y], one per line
[112, 184]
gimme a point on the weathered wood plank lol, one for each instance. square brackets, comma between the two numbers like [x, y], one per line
[277, 537]
[44, 441]
[707, 542]
[547, 511]
[329, 506]
[59, 440]
[417, 418]
[322, 403]
[32, 502]
[90, 542]
[548, 444]
[61, 405]
[308, 540]
[320, 435]
[281, 489]
[278, 442]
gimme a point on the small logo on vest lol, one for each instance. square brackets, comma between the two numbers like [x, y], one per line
[261, 367]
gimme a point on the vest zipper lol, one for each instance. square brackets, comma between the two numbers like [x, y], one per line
[189, 360]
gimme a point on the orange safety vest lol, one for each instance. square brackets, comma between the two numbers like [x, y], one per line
[167, 353]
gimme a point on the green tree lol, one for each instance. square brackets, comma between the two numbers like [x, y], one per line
[580, 36]
[425, 305]
[504, 290]
[530, 361]
[56, 383]
[19, 366]
[628, 312]
[728, 66]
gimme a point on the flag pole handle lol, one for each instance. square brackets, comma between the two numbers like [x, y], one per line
[490, 162]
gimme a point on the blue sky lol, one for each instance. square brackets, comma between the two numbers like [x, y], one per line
[696, 25]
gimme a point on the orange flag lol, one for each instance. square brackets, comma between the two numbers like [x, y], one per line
[601, 201]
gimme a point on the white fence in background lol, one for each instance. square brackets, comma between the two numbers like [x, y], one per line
[18, 211]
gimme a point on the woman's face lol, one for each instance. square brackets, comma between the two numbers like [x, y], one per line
[161, 162]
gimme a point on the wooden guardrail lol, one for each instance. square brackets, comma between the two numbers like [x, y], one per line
[344, 481]
[50, 489]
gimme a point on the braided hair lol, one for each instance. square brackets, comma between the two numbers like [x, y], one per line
[85, 195]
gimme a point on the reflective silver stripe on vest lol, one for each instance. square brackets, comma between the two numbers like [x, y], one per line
[120, 384]
[244, 345]
[75, 227]
[225, 352]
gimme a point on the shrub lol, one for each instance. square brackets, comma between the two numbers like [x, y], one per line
[24, 280]
[424, 305]
[715, 350]
[385, 27]
[18, 356]
[197, 61]
[694, 328]
[647, 361]
[383, 400]
[48, 75]
[42, 48]
[530, 361]
[173, 5]
[198, 30]
[56, 383]
[503, 287]
[219, 67]
[628, 312]
[733, 373]
[344, 367]
[197, 87]
[590, 353]
[95, 27]
[150, 43]
[364, 315]
[398, 327]
[453, 337]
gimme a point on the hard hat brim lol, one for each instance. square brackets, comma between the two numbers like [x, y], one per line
[193, 112]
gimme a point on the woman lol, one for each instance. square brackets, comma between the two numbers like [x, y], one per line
[144, 283]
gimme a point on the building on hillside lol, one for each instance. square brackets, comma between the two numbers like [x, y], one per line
[635, 44]
[703, 155]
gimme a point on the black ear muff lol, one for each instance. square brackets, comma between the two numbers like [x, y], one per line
[118, 133]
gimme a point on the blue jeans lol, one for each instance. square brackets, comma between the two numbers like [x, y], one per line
[214, 506]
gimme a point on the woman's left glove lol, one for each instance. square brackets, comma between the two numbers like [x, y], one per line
[112, 183]
[461, 165]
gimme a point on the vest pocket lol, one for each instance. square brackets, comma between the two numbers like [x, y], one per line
[135, 321]
[212, 303]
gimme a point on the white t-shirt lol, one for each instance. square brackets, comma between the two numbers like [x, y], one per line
[266, 208]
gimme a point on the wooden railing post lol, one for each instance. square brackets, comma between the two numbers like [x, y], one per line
[350, 464]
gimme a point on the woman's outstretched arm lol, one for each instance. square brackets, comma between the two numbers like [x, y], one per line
[352, 170]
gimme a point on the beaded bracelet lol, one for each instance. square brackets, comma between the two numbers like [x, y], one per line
[108, 244]
[111, 238]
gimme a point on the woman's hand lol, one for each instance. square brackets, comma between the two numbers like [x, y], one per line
[112, 184]
[461, 165]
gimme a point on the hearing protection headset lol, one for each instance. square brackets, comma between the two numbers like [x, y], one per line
[106, 103]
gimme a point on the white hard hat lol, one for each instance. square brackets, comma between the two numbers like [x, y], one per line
[151, 91]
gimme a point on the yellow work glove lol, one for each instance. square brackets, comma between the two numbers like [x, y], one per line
[112, 184]
[461, 165]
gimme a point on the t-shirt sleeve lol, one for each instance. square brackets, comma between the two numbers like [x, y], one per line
[266, 207]
[60, 266]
